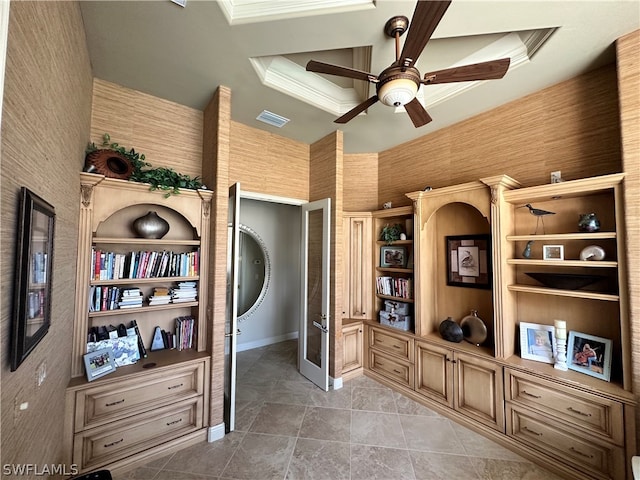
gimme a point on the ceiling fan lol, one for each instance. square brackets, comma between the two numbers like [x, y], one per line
[398, 84]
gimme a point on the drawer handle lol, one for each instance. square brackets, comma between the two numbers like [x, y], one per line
[573, 410]
[399, 373]
[527, 429]
[114, 403]
[175, 386]
[524, 392]
[397, 346]
[174, 422]
[378, 364]
[114, 443]
[574, 450]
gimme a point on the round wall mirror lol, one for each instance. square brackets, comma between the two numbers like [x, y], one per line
[254, 272]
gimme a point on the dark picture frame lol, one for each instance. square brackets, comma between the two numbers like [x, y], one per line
[393, 257]
[469, 261]
[33, 275]
[590, 355]
[99, 363]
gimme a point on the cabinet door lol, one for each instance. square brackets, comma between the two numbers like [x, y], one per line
[434, 375]
[479, 390]
[351, 347]
[358, 278]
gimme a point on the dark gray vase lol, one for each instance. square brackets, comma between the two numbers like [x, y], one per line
[588, 223]
[150, 226]
[450, 330]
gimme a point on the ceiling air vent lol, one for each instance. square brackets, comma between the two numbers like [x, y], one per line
[272, 119]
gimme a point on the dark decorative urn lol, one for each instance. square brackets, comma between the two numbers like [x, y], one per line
[151, 226]
[450, 330]
[588, 223]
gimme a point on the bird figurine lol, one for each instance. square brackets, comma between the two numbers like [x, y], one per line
[538, 213]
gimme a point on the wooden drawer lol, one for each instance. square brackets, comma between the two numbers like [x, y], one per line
[113, 401]
[106, 444]
[599, 415]
[580, 449]
[393, 368]
[391, 343]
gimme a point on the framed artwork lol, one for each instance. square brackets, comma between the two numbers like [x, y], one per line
[393, 257]
[590, 355]
[99, 363]
[553, 252]
[32, 281]
[537, 341]
[469, 261]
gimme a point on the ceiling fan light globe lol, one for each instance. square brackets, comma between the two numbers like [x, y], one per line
[397, 92]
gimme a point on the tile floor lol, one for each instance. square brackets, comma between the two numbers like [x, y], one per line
[287, 428]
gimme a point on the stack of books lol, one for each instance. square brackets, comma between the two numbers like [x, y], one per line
[160, 296]
[185, 332]
[130, 298]
[184, 292]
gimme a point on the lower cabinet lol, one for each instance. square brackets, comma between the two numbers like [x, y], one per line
[391, 355]
[573, 426]
[116, 419]
[352, 342]
[471, 385]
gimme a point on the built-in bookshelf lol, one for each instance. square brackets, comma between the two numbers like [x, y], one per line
[149, 294]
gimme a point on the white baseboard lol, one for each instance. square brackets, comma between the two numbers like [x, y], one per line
[263, 342]
[336, 383]
[215, 433]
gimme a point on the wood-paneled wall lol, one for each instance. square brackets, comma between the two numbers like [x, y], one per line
[572, 127]
[628, 51]
[45, 128]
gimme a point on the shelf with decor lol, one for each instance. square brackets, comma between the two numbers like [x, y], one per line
[394, 259]
[145, 286]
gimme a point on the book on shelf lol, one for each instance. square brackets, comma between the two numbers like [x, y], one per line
[143, 264]
[141, 347]
[395, 287]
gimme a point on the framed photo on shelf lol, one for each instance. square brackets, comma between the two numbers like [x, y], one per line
[553, 252]
[537, 341]
[469, 261]
[590, 355]
[99, 363]
[393, 257]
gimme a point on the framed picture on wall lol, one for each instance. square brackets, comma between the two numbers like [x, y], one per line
[469, 261]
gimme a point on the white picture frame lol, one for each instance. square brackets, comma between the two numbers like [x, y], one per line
[537, 342]
[553, 252]
[590, 355]
[99, 363]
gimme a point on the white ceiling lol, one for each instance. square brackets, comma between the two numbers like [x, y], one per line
[258, 48]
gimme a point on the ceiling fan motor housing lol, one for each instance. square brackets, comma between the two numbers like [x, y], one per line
[397, 86]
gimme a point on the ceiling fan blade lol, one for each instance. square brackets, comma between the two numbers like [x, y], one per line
[478, 71]
[329, 69]
[357, 110]
[417, 113]
[426, 18]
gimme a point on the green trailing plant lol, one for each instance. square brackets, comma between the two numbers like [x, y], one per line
[391, 233]
[160, 178]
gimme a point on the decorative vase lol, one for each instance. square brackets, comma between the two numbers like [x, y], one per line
[450, 330]
[588, 223]
[150, 225]
[473, 328]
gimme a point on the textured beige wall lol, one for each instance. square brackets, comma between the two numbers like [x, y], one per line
[168, 134]
[572, 127]
[46, 118]
[628, 49]
[360, 182]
